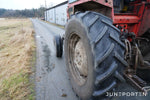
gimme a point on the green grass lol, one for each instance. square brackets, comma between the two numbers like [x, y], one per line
[12, 84]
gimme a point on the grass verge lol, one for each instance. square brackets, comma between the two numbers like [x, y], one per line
[60, 26]
[17, 59]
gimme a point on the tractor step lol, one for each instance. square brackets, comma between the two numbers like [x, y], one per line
[147, 88]
[136, 81]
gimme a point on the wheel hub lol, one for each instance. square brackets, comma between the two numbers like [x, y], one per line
[78, 56]
[80, 59]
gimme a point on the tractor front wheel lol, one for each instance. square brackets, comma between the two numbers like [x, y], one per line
[58, 45]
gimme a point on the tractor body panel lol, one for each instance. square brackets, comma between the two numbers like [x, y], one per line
[136, 19]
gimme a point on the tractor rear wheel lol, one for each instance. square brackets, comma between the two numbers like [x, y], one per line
[94, 55]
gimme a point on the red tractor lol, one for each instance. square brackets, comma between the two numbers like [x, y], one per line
[107, 42]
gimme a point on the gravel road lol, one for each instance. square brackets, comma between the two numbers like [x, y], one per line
[52, 82]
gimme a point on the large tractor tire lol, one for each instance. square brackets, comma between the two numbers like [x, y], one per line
[94, 55]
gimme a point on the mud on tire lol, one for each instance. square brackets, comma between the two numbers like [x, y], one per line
[104, 54]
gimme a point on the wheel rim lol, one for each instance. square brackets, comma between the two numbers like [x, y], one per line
[78, 60]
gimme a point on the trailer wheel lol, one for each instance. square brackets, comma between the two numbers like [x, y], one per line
[94, 55]
[58, 45]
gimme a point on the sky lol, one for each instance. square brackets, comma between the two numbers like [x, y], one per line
[27, 4]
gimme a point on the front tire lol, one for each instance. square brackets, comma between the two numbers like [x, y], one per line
[58, 45]
[94, 55]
